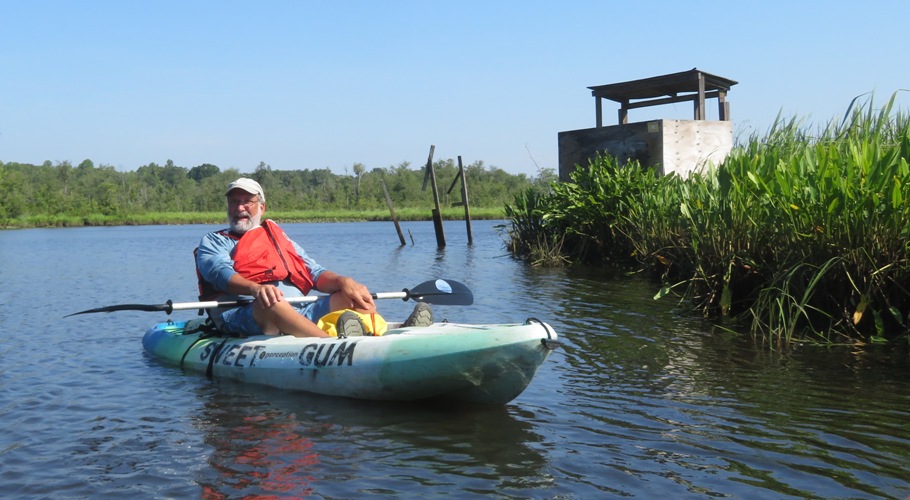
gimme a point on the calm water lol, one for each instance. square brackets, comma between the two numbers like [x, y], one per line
[639, 402]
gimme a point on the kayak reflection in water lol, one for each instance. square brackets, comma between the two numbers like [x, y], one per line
[254, 257]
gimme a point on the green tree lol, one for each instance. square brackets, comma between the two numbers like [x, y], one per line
[358, 171]
[203, 171]
[61, 189]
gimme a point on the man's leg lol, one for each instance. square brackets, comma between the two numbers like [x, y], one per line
[284, 318]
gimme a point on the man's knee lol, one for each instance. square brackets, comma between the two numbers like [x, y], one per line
[339, 301]
[268, 318]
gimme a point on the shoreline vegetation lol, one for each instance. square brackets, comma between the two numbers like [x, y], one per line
[63, 195]
[795, 237]
[176, 218]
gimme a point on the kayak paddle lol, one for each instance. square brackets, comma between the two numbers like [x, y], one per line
[439, 292]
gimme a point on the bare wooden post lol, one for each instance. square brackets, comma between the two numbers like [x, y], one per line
[437, 212]
[388, 202]
[700, 102]
[598, 109]
[723, 107]
[464, 198]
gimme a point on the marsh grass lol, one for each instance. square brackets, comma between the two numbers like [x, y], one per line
[172, 218]
[798, 235]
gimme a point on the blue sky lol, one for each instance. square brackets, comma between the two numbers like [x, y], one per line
[305, 84]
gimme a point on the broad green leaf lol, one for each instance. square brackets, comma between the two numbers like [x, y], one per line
[753, 178]
[879, 326]
[896, 313]
[684, 208]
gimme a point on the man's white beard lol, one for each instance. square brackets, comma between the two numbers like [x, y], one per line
[241, 226]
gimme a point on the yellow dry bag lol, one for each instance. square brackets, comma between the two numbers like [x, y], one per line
[373, 323]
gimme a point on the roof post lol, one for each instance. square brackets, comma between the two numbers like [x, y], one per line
[700, 103]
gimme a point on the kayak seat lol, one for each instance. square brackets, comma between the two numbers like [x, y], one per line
[205, 326]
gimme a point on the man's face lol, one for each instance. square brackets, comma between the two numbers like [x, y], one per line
[244, 210]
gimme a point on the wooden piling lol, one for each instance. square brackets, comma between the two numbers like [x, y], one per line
[464, 198]
[437, 212]
[388, 202]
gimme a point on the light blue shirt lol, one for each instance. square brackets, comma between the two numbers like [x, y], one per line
[214, 260]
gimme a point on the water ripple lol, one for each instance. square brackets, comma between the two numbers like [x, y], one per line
[639, 401]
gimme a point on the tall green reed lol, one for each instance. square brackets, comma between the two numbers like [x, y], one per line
[832, 228]
[798, 235]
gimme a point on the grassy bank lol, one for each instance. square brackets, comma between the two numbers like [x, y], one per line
[796, 235]
[165, 218]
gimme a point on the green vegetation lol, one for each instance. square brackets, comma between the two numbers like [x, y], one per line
[800, 237]
[51, 195]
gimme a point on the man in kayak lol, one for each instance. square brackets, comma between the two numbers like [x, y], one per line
[255, 258]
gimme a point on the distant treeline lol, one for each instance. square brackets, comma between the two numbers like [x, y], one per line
[35, 192]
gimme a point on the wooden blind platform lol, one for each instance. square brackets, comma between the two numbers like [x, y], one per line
[693, 85]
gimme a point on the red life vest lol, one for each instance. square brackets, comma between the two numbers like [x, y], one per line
[264, 254]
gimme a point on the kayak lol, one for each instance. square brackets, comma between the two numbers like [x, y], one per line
[488, 364]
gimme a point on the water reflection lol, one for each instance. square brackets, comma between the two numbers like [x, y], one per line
[268, 442]
[666, 396]
[258, 449]
[640, 401]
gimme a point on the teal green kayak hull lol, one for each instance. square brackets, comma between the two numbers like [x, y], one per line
[488, 364]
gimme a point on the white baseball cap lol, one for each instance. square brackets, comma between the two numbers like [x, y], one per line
[248, 185]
